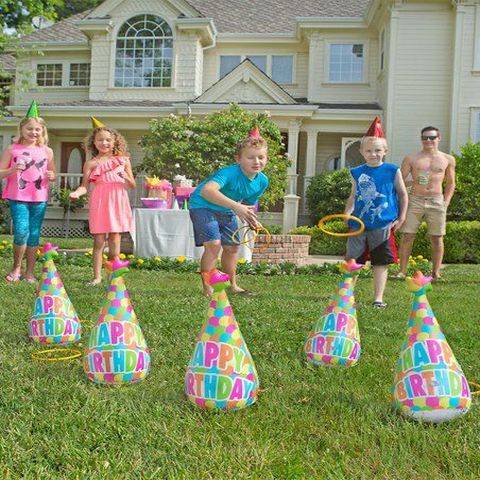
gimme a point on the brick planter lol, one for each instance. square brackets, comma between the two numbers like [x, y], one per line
[282, 248]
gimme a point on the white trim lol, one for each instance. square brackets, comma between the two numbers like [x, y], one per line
[382, 49]
[475, 124]
[347, 142]
[328, 44]
[476, 36]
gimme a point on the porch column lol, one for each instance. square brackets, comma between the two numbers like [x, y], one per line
[291, 199]
[310, 162]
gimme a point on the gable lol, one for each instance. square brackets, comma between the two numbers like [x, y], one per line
[115, 7]
[246, 84]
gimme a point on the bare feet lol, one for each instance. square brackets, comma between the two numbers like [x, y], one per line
[207, 291]
[94, 282]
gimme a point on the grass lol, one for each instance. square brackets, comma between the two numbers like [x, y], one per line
[64, 243]
[308, 422]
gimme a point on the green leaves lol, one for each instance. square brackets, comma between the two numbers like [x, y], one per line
[198, 147]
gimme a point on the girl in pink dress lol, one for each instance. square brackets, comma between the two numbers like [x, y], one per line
[110, 174]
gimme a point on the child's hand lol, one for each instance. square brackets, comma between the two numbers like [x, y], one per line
[247, 214]
[18, 167]
[51, 175]
[74, 195]
[397, 224]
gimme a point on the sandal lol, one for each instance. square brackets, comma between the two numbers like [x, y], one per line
[13, 277]
[379, 304]
[30, 280]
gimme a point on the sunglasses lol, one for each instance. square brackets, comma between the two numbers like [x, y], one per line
[429, 137]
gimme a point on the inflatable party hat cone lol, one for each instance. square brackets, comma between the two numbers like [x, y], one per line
[334, 339]
[54, 319]
[221, 374]
[117, 352]
[429, 384]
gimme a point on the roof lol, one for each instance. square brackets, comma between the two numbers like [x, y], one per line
[8, 62]
[105, 103]
[229, 16]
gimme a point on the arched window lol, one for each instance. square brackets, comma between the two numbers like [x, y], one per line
[144, 53]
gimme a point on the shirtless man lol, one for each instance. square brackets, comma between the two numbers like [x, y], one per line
[428, 169]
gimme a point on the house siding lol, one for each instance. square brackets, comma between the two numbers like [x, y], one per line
[423, 77]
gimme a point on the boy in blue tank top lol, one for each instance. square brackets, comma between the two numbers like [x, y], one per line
[379, 198]
[215, 204]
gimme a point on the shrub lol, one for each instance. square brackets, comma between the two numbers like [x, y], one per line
[4, 217]
[462, 241]
[198, 147]
[328, 192]
[465, 204]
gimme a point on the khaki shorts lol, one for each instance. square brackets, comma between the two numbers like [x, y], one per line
[432, 208]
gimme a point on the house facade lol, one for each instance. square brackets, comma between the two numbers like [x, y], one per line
[322, 70]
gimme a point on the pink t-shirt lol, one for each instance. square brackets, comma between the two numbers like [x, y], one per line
[31, 184]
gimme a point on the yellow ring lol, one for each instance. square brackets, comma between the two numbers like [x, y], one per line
[476, 392]
[40, 357]
[345, 216]
[255, 231]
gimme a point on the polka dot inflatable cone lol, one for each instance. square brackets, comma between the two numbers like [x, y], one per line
[429, 383]
[335, 339]
[117, 352]
[221, 374]
[54, 319]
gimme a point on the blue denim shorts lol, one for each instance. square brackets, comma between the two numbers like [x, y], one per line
[211, 225]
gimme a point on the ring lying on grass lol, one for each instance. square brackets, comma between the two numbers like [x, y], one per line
[50, 355]
[477, 386]
[245, 239]
[321, 225]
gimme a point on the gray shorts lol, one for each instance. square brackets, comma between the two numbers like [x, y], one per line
[376, 244]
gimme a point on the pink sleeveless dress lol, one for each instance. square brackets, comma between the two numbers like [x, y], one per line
[109, 206]
[31, 184]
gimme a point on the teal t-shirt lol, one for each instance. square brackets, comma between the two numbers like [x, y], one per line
[235, 185]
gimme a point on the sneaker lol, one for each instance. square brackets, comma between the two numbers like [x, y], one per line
[379, 304]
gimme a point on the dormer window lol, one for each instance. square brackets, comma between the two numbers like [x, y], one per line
[144, 53]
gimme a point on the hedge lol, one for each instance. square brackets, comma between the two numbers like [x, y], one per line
[462, 241]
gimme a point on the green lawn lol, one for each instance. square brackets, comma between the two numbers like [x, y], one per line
[66, 243]
[308, 422]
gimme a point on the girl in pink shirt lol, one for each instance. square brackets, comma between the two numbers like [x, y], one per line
[110, 174]
[28, 167]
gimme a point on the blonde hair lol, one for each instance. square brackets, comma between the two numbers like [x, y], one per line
[120, 146]
[259, 142]
[365, 140]
[42, 140]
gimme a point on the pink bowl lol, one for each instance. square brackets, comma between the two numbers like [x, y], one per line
[154, 203]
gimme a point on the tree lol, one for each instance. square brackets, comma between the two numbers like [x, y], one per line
[198, 147]
[19, 13]
[71, 7]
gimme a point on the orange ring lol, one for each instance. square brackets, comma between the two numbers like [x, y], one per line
[255, 231]
[345, 216]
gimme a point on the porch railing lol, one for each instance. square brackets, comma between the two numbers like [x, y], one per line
[73, 180]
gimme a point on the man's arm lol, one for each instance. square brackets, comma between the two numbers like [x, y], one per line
[449, 181]
[406, 170]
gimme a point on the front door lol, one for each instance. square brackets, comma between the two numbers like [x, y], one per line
[73, 158]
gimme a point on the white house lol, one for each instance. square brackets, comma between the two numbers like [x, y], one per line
[323, 69]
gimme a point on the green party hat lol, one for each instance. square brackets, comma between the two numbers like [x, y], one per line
[32, 110]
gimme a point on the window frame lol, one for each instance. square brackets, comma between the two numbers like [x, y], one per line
[89, 77]
[47, 63]
[116, 37]
[66, 65]
[328, 46]
[269, 62]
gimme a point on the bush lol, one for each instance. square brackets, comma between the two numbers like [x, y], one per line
[462, 241]
[4, 217]
[465, 204]
[328, 192]
[198, 147]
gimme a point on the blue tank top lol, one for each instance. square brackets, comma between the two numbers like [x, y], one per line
[376, 200]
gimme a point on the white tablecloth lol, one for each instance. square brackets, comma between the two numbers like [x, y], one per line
[168, 233]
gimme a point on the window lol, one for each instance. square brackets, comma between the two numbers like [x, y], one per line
[79, 74]
[282, 68]
[278, 67]
[49, 75]
[259, 61]
[382, 50]
[228, 63]
[144, 53]
[346, 63]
